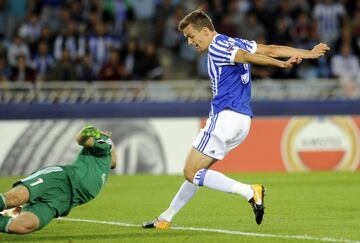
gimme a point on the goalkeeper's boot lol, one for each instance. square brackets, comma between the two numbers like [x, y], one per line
[156, 223]
[257, 202]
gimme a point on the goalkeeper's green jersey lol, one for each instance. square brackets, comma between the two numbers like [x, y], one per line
[90, 170]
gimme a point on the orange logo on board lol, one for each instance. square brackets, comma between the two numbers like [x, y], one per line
[320, 143]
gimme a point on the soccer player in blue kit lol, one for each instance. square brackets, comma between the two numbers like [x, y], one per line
[229, 67]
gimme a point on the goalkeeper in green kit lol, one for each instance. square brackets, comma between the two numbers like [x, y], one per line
[53, 191]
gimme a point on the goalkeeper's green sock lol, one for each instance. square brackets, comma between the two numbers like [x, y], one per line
[4, 223]
[2, 202]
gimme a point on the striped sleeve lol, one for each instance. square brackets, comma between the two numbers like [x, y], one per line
[251, 46]
[222, 53]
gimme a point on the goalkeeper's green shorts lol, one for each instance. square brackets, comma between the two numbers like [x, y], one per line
[50, 194]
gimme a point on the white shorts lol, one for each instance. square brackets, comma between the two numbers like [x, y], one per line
[222, 133]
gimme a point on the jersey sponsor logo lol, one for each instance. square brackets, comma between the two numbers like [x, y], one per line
[230, 48]
[320, 143]
[245, 78]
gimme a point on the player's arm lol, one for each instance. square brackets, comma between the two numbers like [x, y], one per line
[84, 141]
[242, 56]
[276, 51]
[113, 157]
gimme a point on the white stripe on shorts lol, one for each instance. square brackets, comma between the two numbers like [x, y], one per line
[205, 139]
[43, 171]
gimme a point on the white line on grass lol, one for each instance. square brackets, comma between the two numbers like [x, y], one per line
[230, 232]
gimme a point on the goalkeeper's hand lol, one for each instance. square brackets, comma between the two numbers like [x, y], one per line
[90, 131]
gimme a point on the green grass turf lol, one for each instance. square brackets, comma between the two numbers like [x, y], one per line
[312, 204]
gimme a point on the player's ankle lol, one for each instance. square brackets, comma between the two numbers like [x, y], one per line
[166, 218]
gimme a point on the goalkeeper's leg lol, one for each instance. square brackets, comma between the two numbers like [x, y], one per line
[25, 222]
[17, 196]
[33, 216]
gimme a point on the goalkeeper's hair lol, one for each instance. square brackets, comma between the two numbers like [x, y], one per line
[198, 19]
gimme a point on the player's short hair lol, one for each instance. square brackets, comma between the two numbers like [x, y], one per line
[198, 19]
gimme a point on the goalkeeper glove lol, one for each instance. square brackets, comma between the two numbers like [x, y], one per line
[90, 131]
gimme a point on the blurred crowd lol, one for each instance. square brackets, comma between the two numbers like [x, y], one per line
[138, 39]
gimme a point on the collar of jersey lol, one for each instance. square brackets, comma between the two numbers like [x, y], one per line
[213, 40]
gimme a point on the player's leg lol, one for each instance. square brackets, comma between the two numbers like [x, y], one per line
[37, 184]
[48, 185]
[27, 189]
[24, 223]
[17, 196]
[195, 162]
[188, 189]
[229, 129]
[202, 176]
[182, 197]
[186, 192]
[33, 217]
[223, 132]
[196, 170]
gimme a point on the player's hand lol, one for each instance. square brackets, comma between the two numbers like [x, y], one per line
[292, 61]
[90, 131]
[319, 50]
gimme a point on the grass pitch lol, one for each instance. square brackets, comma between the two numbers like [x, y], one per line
[313, 206]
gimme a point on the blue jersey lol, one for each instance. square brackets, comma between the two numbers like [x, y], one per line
[231, 82]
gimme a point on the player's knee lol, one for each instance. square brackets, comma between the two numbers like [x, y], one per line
[13, 199]
[189, 174]
[24, 223]
[16, 196]
[22, 227]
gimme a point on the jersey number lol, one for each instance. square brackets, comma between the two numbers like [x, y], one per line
[39, 180]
